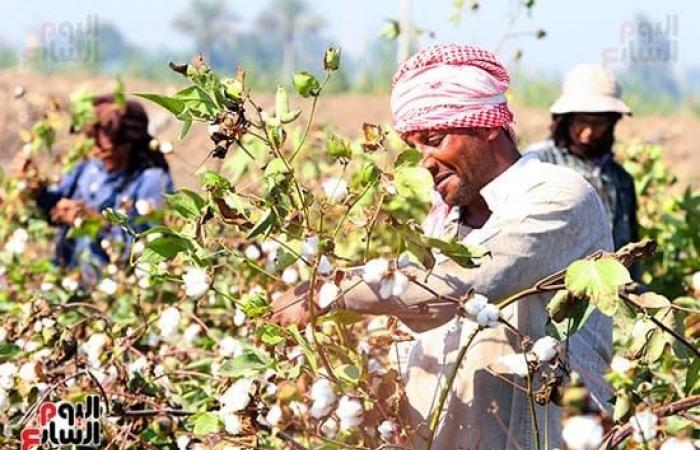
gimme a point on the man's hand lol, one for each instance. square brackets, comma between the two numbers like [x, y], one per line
[67, 210]
[292, 307]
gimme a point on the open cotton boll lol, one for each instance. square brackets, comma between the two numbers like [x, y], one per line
[169, 322]
[677, 444]
[290, 275]
[324, 266]
[696, 281]
[274, 415]
[191, 333]
[400, 283]
[323, 398]
[514, 363]
[475, 304]
[488, 316]
[229, 347]
[309, 247]
[374, 270]
[144, 206]
[644, 426]
[4, 401]
[349, 411]
[237, 396]
[620, 365]
[336, 189]
[196, 282]
[232, 424]
[252, 252]
[387, 430]
[27, 372]
[582, 433]
[108, 286]
[329, 427]
[327, 294]
[545, 348]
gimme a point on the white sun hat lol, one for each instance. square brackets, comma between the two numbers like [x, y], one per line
[590, 88]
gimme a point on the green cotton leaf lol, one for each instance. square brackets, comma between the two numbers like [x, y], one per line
[409, 157]
[264, 225]
[305, 347]
[89, 227]
[205, 423]
[341, 317]
[249, 363]
[185, 104]
[115, 217]
[215, 183]
[255, 305]
[421, 245]
[414, 193]
[692, 377]
[650, 300]
[119, 95]
[599, 280]
[165, 248]
[270, 334]
[390, 30]
[348, 372]
[186, 203]
[8, 352]
[185, 128]
[568, 315]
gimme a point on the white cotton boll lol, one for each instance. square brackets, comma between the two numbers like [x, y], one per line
[46, 286]
[290, 275]
[237, 396]
[93, 348]
[324, 266]
[349, 412]
[138, 247]
[475, 304]
[582, 433]
[137, 366]
[386, 287]
[239, 317]
[69, 284]
[400, 284]
[677, 444]
[229, 347]
[404, 260]
[488, 316]
[696, 281]
[112, 269]
[17, 241]
[4, 401]
[269, 247]
[144, 283]
[644, 426]
[545, 348]
[374, 270]
[620, 365]
[323, 398]
[191, 333]
[27, 372]
[108, 286]
[327, 294]
[336, 189]
[144, 207]
[8, 370]
[309, 247]
[182, 442]
[232, 424]
[3, 334]
[329, 427]
[169, 322]
[196, 282]
[515, 364]
[387, 430]
[274, 415]
[252, 252]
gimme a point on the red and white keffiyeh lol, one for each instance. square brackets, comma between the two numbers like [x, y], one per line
[450, 86]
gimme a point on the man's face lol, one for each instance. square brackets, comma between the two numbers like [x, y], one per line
[592, 134]
[455, 159]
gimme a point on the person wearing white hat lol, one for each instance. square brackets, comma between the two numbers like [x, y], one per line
[582, 138]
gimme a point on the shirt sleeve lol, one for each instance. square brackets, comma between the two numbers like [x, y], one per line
[49, 196]
[155, 184]
[558, 228]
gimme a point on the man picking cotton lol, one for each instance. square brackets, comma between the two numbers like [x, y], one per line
[533, 218]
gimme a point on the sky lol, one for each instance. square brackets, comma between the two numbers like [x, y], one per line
[577, 30]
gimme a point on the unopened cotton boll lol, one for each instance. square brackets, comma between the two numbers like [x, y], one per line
[677, 444]
[387, 430]
[336, 189]
[582, 433]
[196, 282]
[374, 270]
[349, 412]
[309, 247]
[108, 286]
[229, 347]
[290, 275]
[644, 426]
[475, 304]
[545, 348]
[488, 316]
[514, 363]
[324, 266]
[327, 294]
[169, 322]
[252, 252]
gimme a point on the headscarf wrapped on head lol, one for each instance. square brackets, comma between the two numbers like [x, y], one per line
[450, 86]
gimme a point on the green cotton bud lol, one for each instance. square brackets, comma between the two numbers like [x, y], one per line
[277, 135]
[282, 111]
[339, 148]
[306, 84]
[331, 60]
[233, 88]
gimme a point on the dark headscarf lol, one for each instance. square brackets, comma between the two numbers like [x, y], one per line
[127, 124]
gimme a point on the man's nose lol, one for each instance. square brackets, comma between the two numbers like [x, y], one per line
[431, 165]
[585, 135]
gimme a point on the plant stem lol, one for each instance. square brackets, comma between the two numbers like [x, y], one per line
[435, 419]
[533, 410]
[311, 118]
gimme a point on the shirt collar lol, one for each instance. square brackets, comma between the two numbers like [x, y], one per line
[497, 192]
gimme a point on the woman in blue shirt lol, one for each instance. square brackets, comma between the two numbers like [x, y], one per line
[122, 173]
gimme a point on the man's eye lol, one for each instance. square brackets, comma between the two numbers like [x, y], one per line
[434, 140]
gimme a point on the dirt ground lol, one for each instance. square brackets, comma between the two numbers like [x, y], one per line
[346, 112]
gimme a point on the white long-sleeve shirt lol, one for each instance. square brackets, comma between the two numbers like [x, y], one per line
[543, 218]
